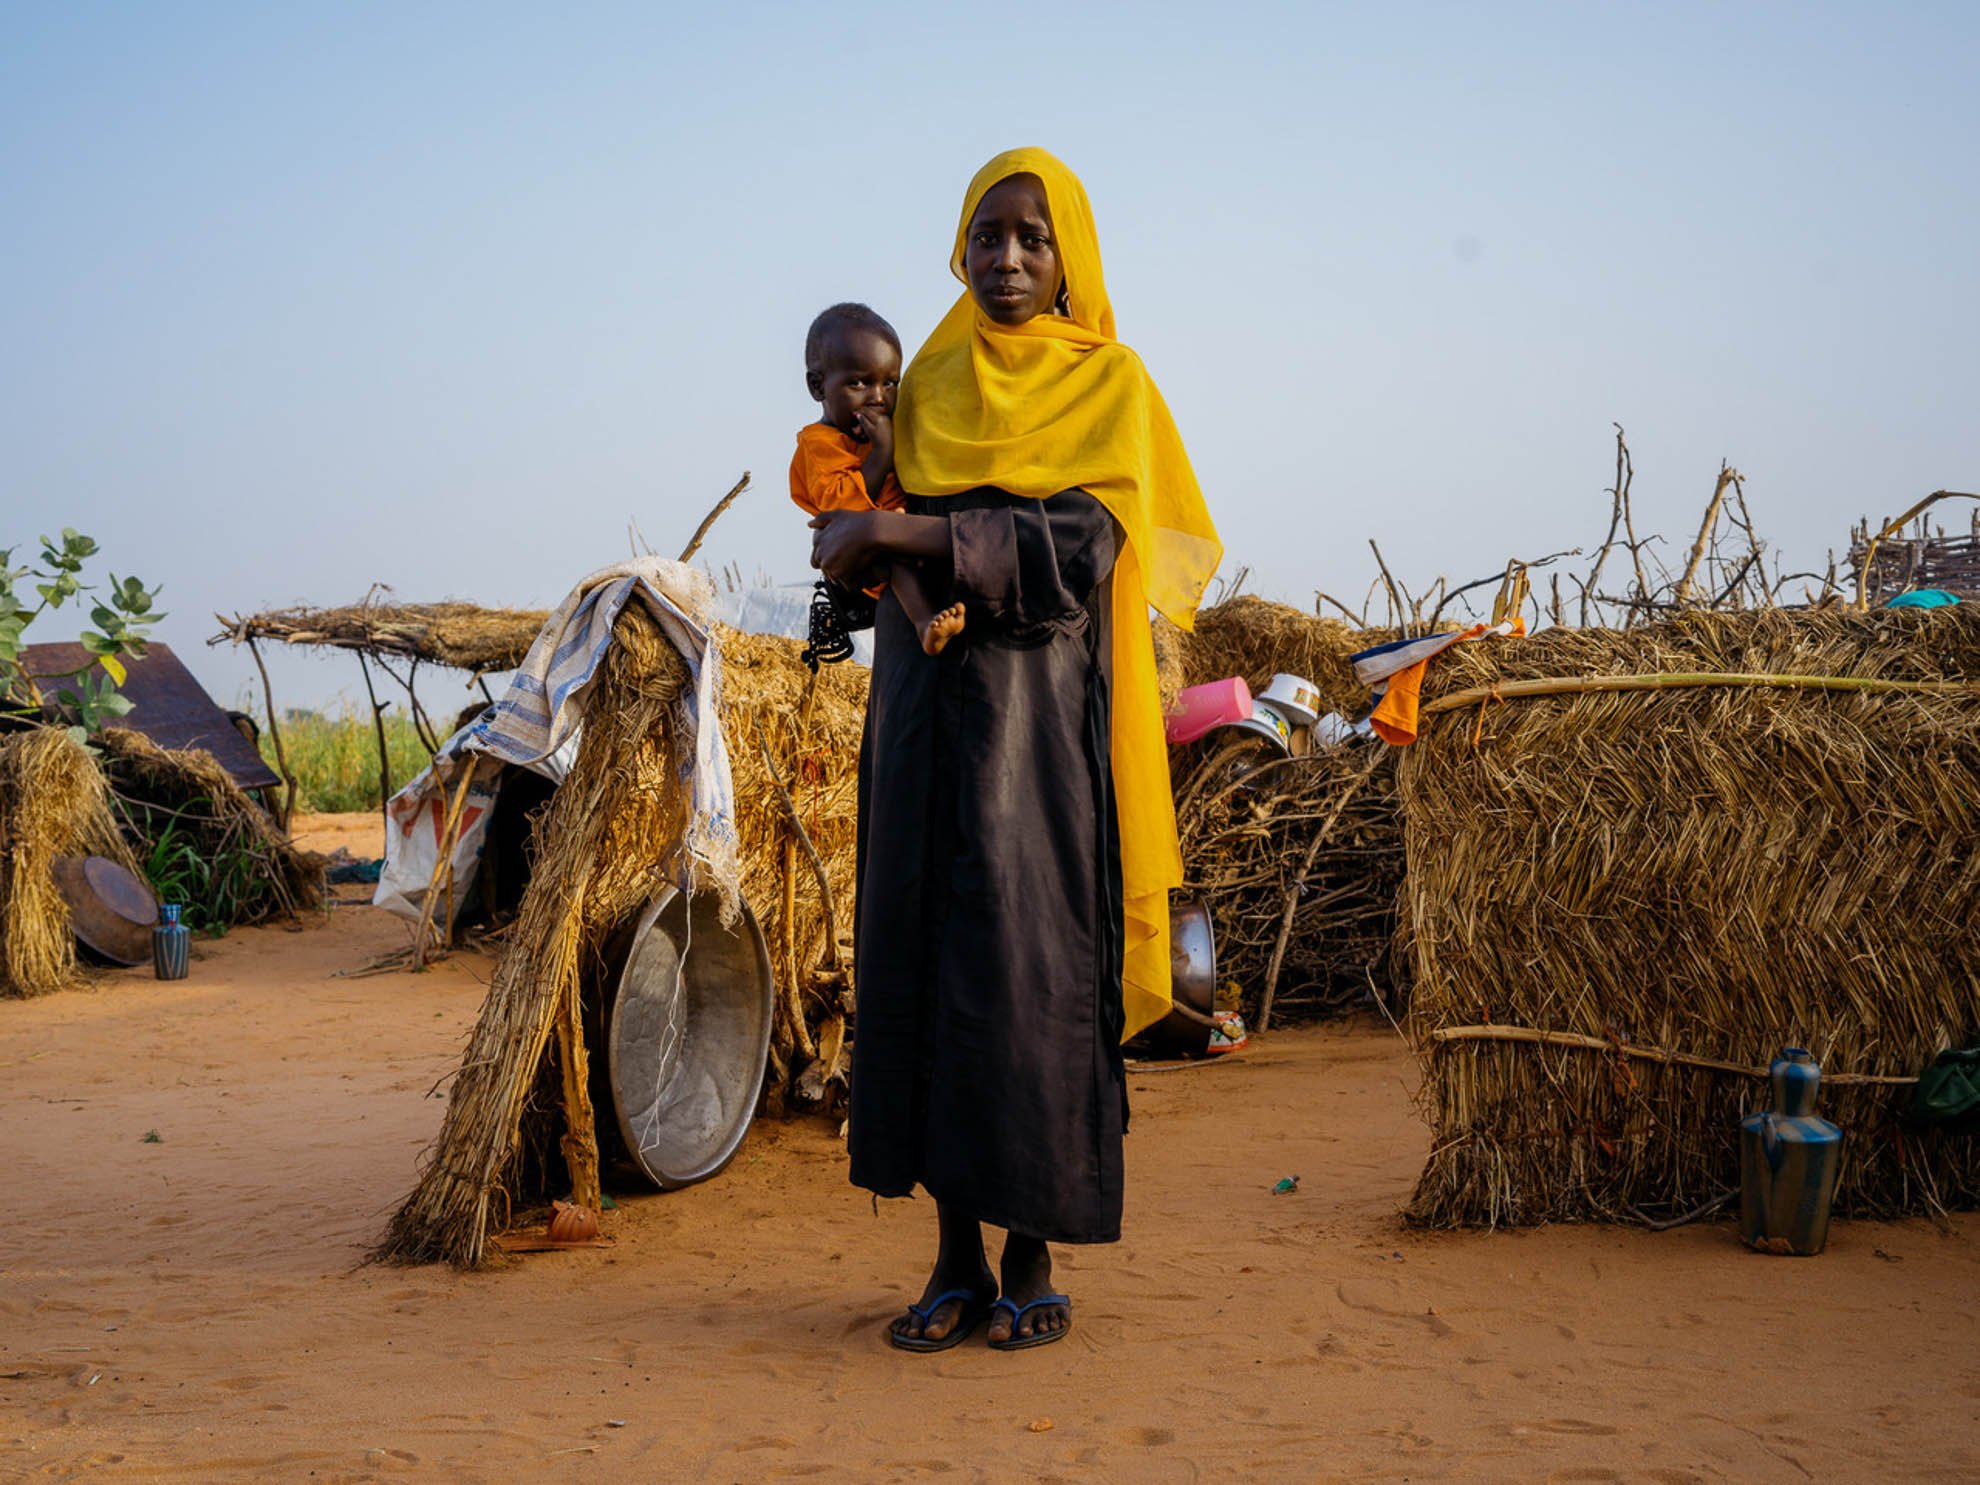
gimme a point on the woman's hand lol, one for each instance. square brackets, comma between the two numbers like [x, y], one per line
[844, 547]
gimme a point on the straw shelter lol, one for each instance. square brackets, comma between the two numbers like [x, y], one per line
[608, 841]
[54, 802]
[521, 1121]
[205, 839]
[1640, 863]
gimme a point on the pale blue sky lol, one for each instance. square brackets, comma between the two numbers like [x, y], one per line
[298, 298]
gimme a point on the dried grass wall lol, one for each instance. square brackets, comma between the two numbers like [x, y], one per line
[1711, 873]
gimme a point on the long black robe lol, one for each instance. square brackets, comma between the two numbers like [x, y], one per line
[986, 1054]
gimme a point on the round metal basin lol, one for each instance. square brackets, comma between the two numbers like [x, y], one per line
[1185, 1031]
[688, 1037]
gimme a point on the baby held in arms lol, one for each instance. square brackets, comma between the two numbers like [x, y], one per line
[845, 460]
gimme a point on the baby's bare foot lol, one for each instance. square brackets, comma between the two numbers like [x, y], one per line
[944, 627]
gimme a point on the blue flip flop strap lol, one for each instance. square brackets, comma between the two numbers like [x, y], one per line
[927, 1312]
[1018, 1312]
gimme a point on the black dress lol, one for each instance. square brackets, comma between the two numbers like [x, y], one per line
[986, 1054]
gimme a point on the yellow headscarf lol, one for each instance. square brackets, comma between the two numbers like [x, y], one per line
[1055, 404]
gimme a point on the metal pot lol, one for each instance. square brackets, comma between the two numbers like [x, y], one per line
[688, 1037]
[1185, 1031]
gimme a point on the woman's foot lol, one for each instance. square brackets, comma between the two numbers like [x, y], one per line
[941, 1321]
[959, 1264]
[944, 627]
[1027, 1267]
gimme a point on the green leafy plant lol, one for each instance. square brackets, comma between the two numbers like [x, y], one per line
[215, 886]
[118, 627]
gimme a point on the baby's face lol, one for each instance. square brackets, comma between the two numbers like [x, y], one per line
[862, 370]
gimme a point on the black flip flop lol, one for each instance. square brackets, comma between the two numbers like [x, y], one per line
[975, 1310]
[1037, 1338]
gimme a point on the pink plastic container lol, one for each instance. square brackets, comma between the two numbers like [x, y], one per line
[1212, 704]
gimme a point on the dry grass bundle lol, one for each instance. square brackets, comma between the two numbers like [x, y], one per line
[205, 843]
[607, 843]
[811, 730]
[462, 635]
[1299, 861]
[53, 802]
[1659, 888]
[1256, 638]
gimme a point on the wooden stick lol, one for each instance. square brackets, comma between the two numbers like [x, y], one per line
[1683, 680]
[1627, 468]
[580, 1142]
[384, 761]
[694, 542]
[421, 723]
[441, 867]
[1398, 594]
[275, 733]
[1573, 1039]
[811, 851]
[800, 1033]
[1682, 592]
[1287, 911]
[1320, 595]
[1298, 885]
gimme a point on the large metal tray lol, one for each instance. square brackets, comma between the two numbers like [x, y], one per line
[688, 1037]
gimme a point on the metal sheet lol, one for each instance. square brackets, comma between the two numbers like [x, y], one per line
[168, 706]
[689, 1038]
[110, 909]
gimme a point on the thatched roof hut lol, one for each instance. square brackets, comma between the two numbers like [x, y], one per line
[1639, 863]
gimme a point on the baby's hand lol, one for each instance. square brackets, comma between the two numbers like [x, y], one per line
[874, 426]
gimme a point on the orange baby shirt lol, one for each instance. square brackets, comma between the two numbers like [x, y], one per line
[825, 473]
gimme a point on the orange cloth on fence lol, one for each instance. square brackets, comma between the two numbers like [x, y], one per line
[825, 473]
[1394, 719]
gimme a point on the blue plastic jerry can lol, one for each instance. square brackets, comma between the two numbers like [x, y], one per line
[1788, 1161]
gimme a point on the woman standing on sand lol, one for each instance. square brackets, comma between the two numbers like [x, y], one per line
[1016, 835]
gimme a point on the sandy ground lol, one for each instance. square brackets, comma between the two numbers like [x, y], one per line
[195, 1308]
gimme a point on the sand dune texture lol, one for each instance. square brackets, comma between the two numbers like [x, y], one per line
[192, 1308]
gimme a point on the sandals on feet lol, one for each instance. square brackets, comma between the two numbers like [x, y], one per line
[1037, 1338]
[976, 1308]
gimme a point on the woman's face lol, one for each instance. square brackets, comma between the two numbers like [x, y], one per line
[1009, 257]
